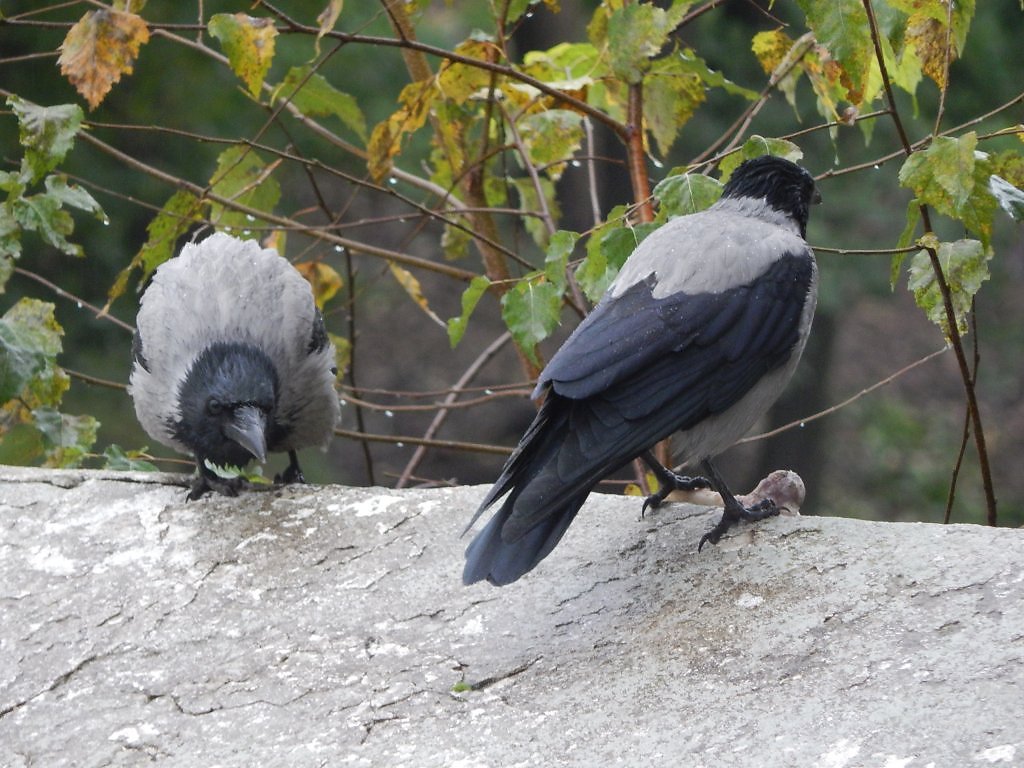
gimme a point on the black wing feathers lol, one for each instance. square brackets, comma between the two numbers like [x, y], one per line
[605, 409]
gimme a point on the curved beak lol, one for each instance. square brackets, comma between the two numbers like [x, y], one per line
[248, 428]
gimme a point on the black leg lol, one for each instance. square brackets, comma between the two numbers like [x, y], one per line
[292, 473]
[734, 511]
[668, 481]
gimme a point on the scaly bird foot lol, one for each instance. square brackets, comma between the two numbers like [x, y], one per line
[734, 514]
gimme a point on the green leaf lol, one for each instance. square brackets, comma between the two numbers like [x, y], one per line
[913, 217]
[178, 214]
[126, 461]
[686, 193]
[315, 97]
[20, 360]
[66, 439]
[43, 214]
[46, 133]
[470, 298]
[965, 266]
[556, 260]
[33, 338]
[842, 27]
[756, 146]
[21, 445]
[607, 250]
[229, 472]
[636, 33]
[71, 194]
[531, 311]
[954, 178]
[672, 94]
[242, 176]
[249, 45]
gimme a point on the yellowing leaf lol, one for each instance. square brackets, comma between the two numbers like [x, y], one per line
[411, 285]
[951, 176]
[249, 45]
[673, 91]
[386, 139]
[770, 47]
[327, 18]
[928, 38]
[551, 138]
[324, 279]
[965, 266]
[98, 49]
[458, 81]
[171, 222]
[342, 354]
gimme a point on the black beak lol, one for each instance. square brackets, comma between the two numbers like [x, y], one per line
[248, 428]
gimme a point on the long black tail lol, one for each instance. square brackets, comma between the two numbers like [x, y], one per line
[547, 479]
[501, 562]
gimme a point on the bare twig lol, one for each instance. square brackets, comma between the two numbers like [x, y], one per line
[482, 359]
[840, 405]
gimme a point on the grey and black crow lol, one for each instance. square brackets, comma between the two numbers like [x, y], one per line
[232, 360]
[698, 334]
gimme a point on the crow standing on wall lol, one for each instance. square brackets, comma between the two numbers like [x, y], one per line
[699, 333]
[232, 360]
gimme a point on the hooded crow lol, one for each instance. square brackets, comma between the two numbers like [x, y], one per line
[232, 360]
[698, 334]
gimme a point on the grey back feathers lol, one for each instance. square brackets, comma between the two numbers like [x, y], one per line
[226, 293]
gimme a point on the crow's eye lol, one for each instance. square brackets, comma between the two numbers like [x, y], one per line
[214, 407]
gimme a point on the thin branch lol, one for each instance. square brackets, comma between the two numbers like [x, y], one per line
[81, 303]
[435, 425]
[447, 445]
[840, 405]
[95, 380]
[203, 193]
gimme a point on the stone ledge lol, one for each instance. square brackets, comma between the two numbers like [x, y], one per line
[328, 626]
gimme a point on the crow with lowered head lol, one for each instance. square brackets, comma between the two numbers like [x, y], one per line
[698, 334]
[232, 361]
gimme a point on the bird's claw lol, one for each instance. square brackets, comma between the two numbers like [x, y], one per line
[732, 515]
[670, 481]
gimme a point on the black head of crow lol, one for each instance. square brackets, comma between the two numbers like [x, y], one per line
[232, 360]
[698, 334]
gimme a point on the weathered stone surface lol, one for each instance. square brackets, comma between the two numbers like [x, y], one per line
[328, 626]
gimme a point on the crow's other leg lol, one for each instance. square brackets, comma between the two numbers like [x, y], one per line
[734, 511]
[668, 481]
[292, 473]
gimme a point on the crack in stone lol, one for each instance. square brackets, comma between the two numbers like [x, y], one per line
[57, 682]
[487, 682]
